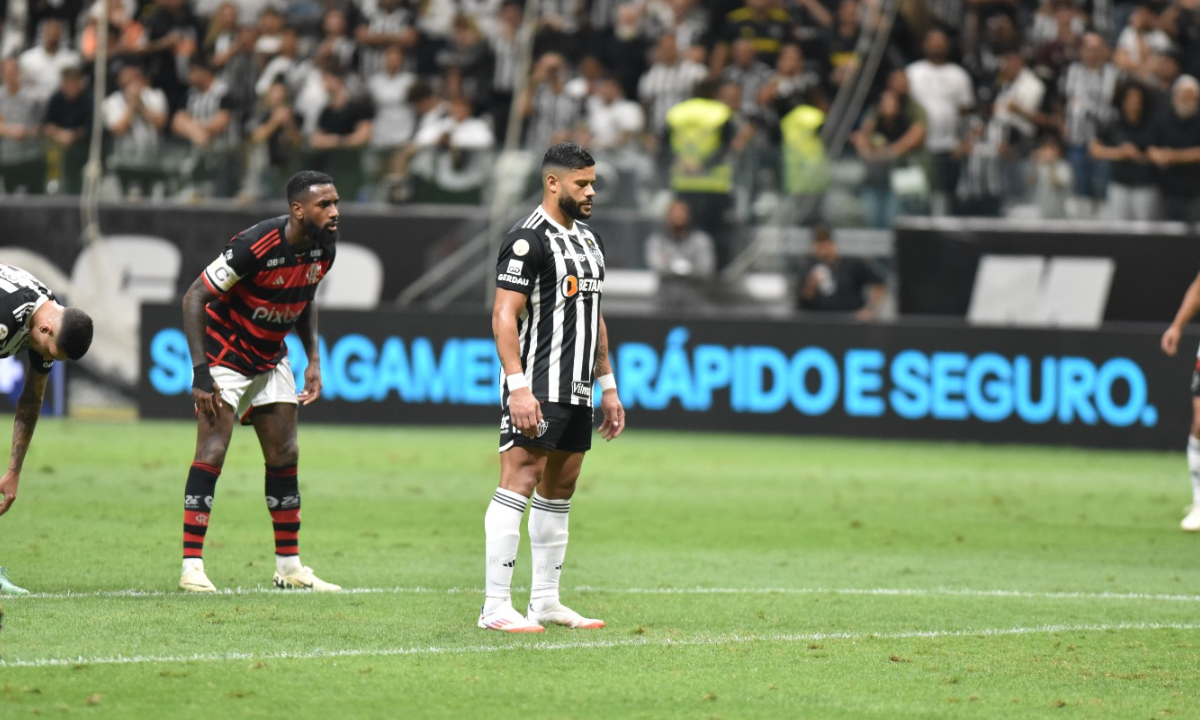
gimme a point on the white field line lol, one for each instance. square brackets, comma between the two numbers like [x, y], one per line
[892, 592]
[589, 645]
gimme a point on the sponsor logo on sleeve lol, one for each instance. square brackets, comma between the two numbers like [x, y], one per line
[512, 279]
[515, 267]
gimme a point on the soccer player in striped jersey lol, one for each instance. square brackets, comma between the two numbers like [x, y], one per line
[553, 345]
[32, 320]
[236, 316]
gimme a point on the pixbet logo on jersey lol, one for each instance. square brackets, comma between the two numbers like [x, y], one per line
[272, 314]
[572, 286]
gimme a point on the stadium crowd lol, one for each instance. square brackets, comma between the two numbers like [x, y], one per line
[1049, 108]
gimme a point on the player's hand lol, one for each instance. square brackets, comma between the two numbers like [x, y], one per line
[1170, 341]
[8, 490]
[208, 403]
[312, 384]
[614, 415]
[526, 412]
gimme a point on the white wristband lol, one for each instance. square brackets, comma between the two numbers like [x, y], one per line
[516, 381]
[607, 382]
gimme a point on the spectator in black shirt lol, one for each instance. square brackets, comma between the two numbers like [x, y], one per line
[1175, 149]
[174, 38]
[68, 126]
[1132, 192]
[342, 133]
[760, 21]
[832, 283]
[624, 48]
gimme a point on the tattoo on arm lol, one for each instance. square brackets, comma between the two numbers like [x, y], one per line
[603, 366]
[29, 409]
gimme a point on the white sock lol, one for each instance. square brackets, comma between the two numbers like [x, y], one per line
[548, 541]
[1193, 456]
[190, 564]
[287, 564]
[502, 528]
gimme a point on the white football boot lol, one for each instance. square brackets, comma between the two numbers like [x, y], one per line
[303, 579]
[506, 619]
[562, 615]
[194, 580]
[1191, 523]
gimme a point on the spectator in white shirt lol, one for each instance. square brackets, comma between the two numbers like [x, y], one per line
[42, 65]
[454, 157]
[395, 118]
[669, 81]
[1087, 92]
[136, 114]
[613, 122]
[1140, 43]
[22, 155]
[945, 91]
[1014, 114]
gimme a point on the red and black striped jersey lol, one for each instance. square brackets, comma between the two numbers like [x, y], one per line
[262, 288]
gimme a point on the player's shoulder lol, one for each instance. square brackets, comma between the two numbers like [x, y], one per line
[269, 229]
[528, 237]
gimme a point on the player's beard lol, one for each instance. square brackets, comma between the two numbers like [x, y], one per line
[574, 210]
[316, 232]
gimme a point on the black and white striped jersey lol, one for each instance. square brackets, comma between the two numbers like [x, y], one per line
[21, 294]
[562, 273]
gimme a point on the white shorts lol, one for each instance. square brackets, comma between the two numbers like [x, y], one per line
[243, 394]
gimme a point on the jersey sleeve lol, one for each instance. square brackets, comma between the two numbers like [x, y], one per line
[521, 259]
[235, 262]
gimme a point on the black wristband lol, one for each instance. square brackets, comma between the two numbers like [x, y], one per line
[202, 378]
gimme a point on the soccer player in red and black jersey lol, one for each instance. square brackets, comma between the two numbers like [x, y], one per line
[236, 316]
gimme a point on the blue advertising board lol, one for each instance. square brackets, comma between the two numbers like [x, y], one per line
[1109, 388]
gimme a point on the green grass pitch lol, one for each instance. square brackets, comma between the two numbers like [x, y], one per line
[741, 577]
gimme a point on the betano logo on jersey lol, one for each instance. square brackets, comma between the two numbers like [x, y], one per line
[572, 286]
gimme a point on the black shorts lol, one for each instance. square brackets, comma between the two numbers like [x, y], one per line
[566, 427]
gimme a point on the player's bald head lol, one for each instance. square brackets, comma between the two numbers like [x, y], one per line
[565, 157]
[302, 183]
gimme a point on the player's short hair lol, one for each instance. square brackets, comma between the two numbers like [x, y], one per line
[75, 335]
[568, 156]
[299, 184]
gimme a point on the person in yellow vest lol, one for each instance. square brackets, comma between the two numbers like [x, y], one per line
[699, 132]
[805, 166]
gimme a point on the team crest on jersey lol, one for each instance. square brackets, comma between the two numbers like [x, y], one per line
[314, 274]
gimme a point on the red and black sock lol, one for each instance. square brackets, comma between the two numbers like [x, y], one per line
[197, 506]
[283, 500]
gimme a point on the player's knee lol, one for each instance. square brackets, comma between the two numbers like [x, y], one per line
[287, 453]
[212, 452]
